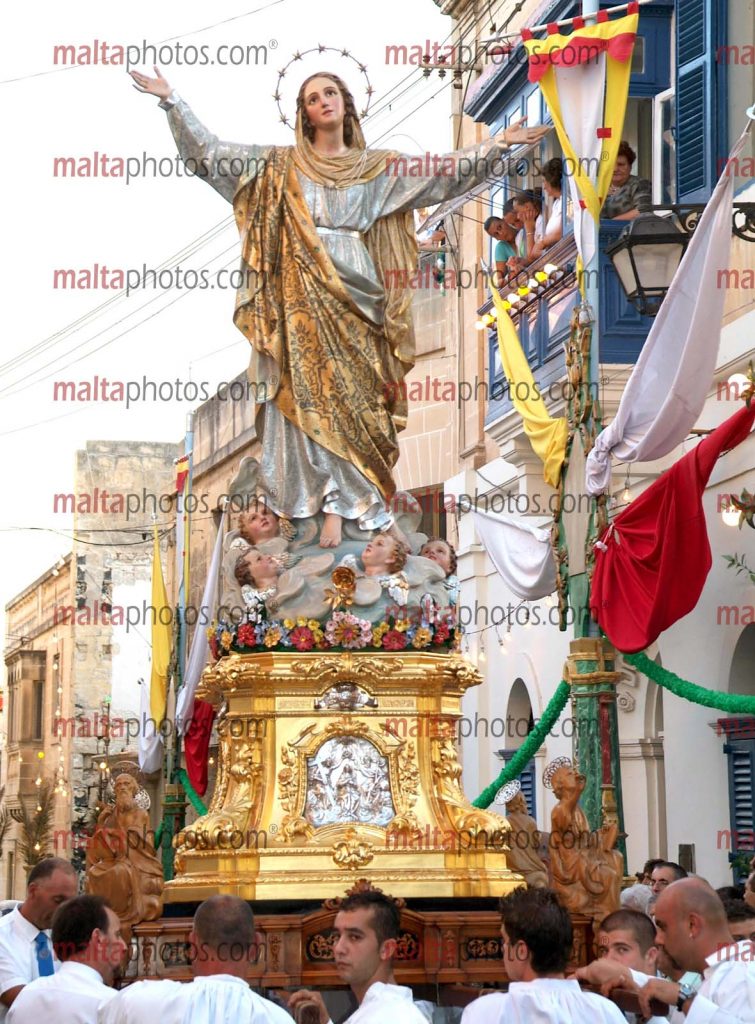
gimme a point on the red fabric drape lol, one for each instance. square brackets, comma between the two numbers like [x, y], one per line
[197, 744]
[657, 553]
[580, 50]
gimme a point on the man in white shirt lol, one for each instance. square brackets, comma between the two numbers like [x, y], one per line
[627, 937]
[691, 929]
[222, 946]
[86, 937]
[537, 942]
[367, 928]
[25, 949]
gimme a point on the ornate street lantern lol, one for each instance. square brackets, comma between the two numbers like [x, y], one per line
[646, 257]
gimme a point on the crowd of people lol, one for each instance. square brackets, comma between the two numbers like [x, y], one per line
[689, 957]
[531, 221]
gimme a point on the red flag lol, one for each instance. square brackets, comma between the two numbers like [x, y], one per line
[182, 471]
[652, 562]
[197, 744]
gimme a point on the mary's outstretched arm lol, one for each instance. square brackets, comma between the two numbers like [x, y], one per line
[220, 164]
[411, 182]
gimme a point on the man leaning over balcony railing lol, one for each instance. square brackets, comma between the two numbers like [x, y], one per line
[504, 229]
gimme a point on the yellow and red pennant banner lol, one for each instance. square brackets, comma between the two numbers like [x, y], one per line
[183, 468]
[547, 435]
[584, 77]
[182, 473]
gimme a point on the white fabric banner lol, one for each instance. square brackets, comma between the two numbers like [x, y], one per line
[198, 654]
[150, 740]
[581, 94]
[667, 389]
[520, 552]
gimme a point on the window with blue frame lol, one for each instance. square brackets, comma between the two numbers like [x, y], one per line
[741, 760]
[701, 97]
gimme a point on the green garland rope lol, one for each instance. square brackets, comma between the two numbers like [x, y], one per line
[530, 746]
[194, 798]
[732, 703]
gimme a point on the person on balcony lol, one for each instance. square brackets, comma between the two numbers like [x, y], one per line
[529, 208]
[628, 195]
[553, 173]
[504, 229]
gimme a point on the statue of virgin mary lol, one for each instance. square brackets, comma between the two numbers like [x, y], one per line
[328, 252]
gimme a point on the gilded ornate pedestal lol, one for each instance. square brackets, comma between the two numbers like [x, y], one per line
[333, 764]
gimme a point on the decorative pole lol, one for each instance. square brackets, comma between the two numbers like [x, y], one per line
[174, 798]
[590, 664]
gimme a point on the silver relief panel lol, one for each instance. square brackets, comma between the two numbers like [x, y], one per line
[348, 781]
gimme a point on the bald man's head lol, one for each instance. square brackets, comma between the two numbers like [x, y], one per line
[690, 922]
[694, 896]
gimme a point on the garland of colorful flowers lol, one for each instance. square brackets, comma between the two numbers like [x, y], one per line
[342, 631]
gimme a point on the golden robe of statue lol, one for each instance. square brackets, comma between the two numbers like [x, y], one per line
[122, 864]
[586, 868]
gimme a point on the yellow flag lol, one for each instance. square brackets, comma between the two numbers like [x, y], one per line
[547, 435]
[161, 637]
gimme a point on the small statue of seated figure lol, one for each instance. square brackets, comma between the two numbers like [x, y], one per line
[443, 554]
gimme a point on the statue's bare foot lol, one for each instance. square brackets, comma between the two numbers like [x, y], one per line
[399, 535]
[330, 535]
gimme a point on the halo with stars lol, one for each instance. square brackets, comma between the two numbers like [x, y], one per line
[300, 55]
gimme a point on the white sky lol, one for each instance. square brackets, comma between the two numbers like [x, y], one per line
[51, 223]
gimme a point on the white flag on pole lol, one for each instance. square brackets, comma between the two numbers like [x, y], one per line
[521, 553]
[198, 654]
[667, 389]
[150, 740]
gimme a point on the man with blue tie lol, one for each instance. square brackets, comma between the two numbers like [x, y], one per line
[25, 946]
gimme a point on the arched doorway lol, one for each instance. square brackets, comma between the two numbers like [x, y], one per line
[655, 769]
[519, 724]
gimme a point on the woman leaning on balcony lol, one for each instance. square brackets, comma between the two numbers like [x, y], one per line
[628, 195]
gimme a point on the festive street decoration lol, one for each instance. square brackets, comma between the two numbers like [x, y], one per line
[670, 381]
[161, 638]
[652, 561]
[729, 703]
[520, 551]
[185, 703]
[530, 746]
[547, 435]
[584, 78]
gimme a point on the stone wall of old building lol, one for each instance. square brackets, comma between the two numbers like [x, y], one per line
[121, 489]
[38, 691]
